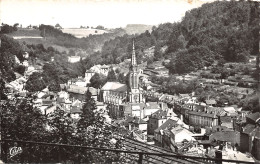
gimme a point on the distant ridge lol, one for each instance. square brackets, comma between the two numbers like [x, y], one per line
[137, 28]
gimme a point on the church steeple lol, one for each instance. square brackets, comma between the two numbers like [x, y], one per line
[133, 59]
[135, 95]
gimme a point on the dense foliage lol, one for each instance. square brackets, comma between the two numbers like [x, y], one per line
[6, 29]
[215, 31]
[55, 73]
[23, 122]
[9, 49]
[227, 29]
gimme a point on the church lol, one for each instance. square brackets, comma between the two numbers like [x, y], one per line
[127, 100]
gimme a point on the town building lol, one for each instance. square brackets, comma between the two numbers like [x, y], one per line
[158, 133]
[78, 82]
[250, 136]
[178, 135]
[203, 116]
[78, 92]
[126, 100]
[88, 75]
[157, 118]
[73, 59]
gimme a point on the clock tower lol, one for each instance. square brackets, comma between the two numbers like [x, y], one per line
[135, 96]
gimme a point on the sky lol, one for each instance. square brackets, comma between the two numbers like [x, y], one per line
[108, 13]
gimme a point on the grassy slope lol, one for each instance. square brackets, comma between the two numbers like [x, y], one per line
[47, 42]
[82, 32]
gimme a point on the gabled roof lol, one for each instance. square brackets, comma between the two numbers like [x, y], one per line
[168, 124]
[114, 86]
[76, 103]
[254, 116]
[248, 129]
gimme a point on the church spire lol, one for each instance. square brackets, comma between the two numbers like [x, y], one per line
[133, 55]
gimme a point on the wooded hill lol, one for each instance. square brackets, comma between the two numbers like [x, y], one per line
[212, 32]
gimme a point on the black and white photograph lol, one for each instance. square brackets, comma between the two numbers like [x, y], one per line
[130, 81]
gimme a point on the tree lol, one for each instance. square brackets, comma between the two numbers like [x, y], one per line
[111, 76]
[121, 78]
[192, 59]
[98, 133]
[88, 109]
[2, 89]
[20, 69]
[100, 27]
[15, 26]
[20, 121]
[35, 82]
[58, 26]
[54, 86]
[97, 80]
[6, 29]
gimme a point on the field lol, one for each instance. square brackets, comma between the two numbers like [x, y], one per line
[32, 36]
[83, 32]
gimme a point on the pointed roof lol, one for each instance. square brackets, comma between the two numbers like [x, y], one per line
[133, 60]
[115, 86]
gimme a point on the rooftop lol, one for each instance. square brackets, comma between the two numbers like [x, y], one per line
[159, 114]
[114, 86]
[254, 116]
[168, 124]
[179, 129]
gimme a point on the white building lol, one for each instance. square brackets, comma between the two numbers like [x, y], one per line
[74, 59]
[101, 69]
[25, 63]
[178, 134]
[88, 75]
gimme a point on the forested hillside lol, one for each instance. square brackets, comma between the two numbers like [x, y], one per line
[218, 30]
[8, 50]
[225, 30]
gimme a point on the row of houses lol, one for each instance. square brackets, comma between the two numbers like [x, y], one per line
[222, 124]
